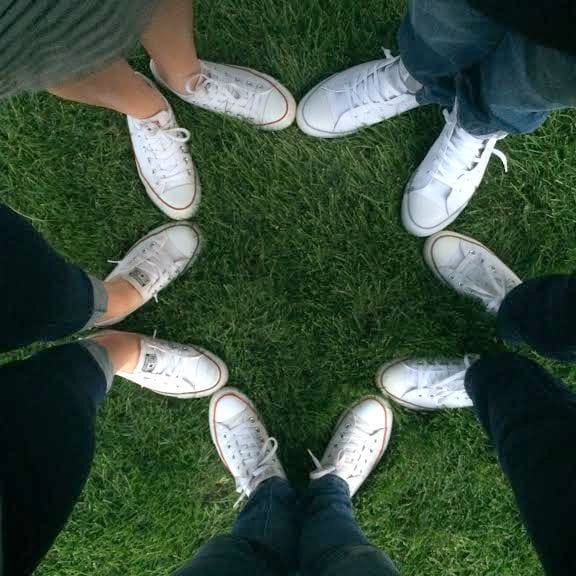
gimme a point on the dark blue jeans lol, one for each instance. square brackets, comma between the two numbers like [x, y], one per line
[276, 535]
[503, 82]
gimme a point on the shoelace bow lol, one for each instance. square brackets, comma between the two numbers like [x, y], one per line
[478, 278]
[365, 89]
[446, 386]
[353, 439]
[247, 446]
[149, 261]
[466, 154]
[212, 82]
[165, 144]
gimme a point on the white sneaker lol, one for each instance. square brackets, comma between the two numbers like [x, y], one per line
[177, 370]
[358, 97]
[422, 385]
[165, 165]
[156, 260]
[242, 441]
[447, 178]
[358, 444]
[240, 92]
[470, 268]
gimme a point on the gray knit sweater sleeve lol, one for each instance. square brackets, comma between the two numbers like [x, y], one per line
[44, 42]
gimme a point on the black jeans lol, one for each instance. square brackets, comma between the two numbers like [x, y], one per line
[47, 403]
[530, 416]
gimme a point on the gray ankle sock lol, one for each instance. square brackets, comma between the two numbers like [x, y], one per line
[100, 354]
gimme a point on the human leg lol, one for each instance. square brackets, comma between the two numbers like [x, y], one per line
[43, 296]
[48, 407]
[117, 87]
[160, 145]
[232, 90]
[264, 537]
[530, 418]
[331, 542]
[46, 298]
[541, 312]
[509, 85]
[438, 39]
[441, 38]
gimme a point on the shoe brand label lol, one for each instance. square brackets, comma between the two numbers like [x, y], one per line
[140, 276]
[150, 362]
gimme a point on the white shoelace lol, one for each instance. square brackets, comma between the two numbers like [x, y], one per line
[366, 87]
[446, 386]
[169, 364]
[478, 278]
[466, 154]
[226, 90]
[348, 460]
[166, 149]
[257, 459]
[148, 260]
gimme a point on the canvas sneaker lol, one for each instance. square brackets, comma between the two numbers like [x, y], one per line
[358, 97]
[470, 268]
[242, 441]
[240, 92]
[176, 370]
[164, 163]
[423, 385]
[358, 444]
[447, 178]
[156, 260]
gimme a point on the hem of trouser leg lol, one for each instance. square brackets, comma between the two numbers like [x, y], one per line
[100, 354]
[100, 301]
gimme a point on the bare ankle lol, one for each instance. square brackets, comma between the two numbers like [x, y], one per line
[123, 349]
[123, 299]
[184, 79]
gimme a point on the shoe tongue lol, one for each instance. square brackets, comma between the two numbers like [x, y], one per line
[390, 81]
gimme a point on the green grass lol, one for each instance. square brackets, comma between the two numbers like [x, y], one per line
[307, 284]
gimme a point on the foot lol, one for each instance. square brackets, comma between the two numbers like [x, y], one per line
[358, 444]
[165, 165]
[242, 441]
[421, 385]
[447, 178]
[470, 268]
[240, 92]
[169, 369]
[174, 370]
[358, 97]
[155, 261]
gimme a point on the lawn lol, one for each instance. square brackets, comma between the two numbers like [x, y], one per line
[308, 283]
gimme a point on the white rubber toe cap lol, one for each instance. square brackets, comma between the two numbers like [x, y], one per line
[315, 117]
[228, 404]
[181, 202]
[371, 412]
[185, 238]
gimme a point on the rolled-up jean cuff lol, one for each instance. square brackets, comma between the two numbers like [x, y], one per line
[100, 354]
[100, 302]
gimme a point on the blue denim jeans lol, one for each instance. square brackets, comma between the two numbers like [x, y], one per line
[502, 81]
[277, 535]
